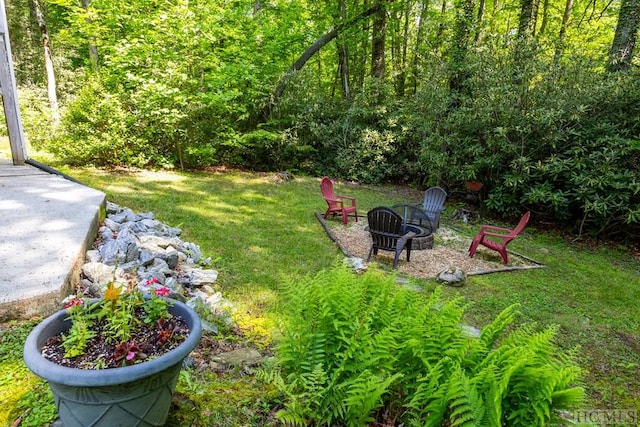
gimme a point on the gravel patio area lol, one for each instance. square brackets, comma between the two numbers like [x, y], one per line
[449, 251]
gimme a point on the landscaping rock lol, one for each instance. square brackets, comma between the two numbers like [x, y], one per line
[198, 277]
[111, 225]
[241, 357]
[93, 256]
[124, 248]
[139, 246]
[452, 277]
[358, 264]
[98, 273]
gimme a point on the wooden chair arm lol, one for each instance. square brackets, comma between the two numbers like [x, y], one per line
[501, 236]
[352, 199]
[336, 201]
[493, 227]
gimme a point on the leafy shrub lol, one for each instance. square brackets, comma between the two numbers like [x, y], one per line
[36, 116]
[95, 130]
[365, 140]
[356, 347]
[266, 150]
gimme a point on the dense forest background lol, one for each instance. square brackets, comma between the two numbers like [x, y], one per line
[537, 99]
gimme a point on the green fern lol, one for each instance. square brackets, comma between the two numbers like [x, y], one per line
[364, 395]
[428, 405]
[356, 345]
[466, 408]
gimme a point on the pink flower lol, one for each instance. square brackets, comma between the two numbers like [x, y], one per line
[163, 291]
[130, 356]
[150, 282]
[74, 302]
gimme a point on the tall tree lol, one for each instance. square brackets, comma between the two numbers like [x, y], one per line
[93, 50]
[36, 9]
[479, 18]
[439, 38]
[418, 45]
[624, 39]
[568, 8]
[318, 44]
[343, 53]
[402, 45]
[459, 73]
[378, 39]
[26, 42]
[527, 19]
[524, 47]
[545, 17]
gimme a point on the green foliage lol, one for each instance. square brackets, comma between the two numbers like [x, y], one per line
[557, 144]
[12, 338]
[37, 406]
[23, 395]
[75, 341]
[95, 130]
[535, 119]
[355, 345]
[363, 141]
[156, 308]
[265, 150]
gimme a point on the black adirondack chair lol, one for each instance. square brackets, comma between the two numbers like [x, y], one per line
[387, 232]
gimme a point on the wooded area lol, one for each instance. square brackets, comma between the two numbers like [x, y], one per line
[538, 100]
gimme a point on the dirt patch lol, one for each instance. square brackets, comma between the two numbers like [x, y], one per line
[449, 251]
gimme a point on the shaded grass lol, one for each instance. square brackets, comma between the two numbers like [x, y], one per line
[261, 233]
[592, 294]
[22, 394]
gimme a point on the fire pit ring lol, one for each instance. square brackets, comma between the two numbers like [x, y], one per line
[423, 238]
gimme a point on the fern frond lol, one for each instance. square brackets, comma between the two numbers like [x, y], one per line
[466, 407]
[364, 396]
[428, 404]
[490, 333]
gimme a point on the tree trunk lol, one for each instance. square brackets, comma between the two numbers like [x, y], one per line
[524, 49]
[93, 50]
[568, 8]
[401, 80]
[343, 57]
[527, 21]
[416, 50]
[378, 39]
[257, 6]
[48, 61]
[308, 53]
[545, 17]
[624, 39]
[459, 73]
[440, 35]
[479, 18]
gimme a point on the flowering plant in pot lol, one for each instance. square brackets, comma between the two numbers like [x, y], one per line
[114, 360]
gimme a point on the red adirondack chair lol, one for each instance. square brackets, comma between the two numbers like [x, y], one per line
[336, 204]
[497, 238]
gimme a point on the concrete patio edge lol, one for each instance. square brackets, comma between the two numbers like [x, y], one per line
[47, 223]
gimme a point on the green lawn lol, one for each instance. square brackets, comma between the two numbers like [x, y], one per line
[262, 233]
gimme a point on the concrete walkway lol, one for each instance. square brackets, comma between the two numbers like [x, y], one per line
[46, 225]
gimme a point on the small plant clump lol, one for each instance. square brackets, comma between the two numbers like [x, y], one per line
[122, 328]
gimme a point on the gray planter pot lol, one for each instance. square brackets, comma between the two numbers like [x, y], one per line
[136, 395]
